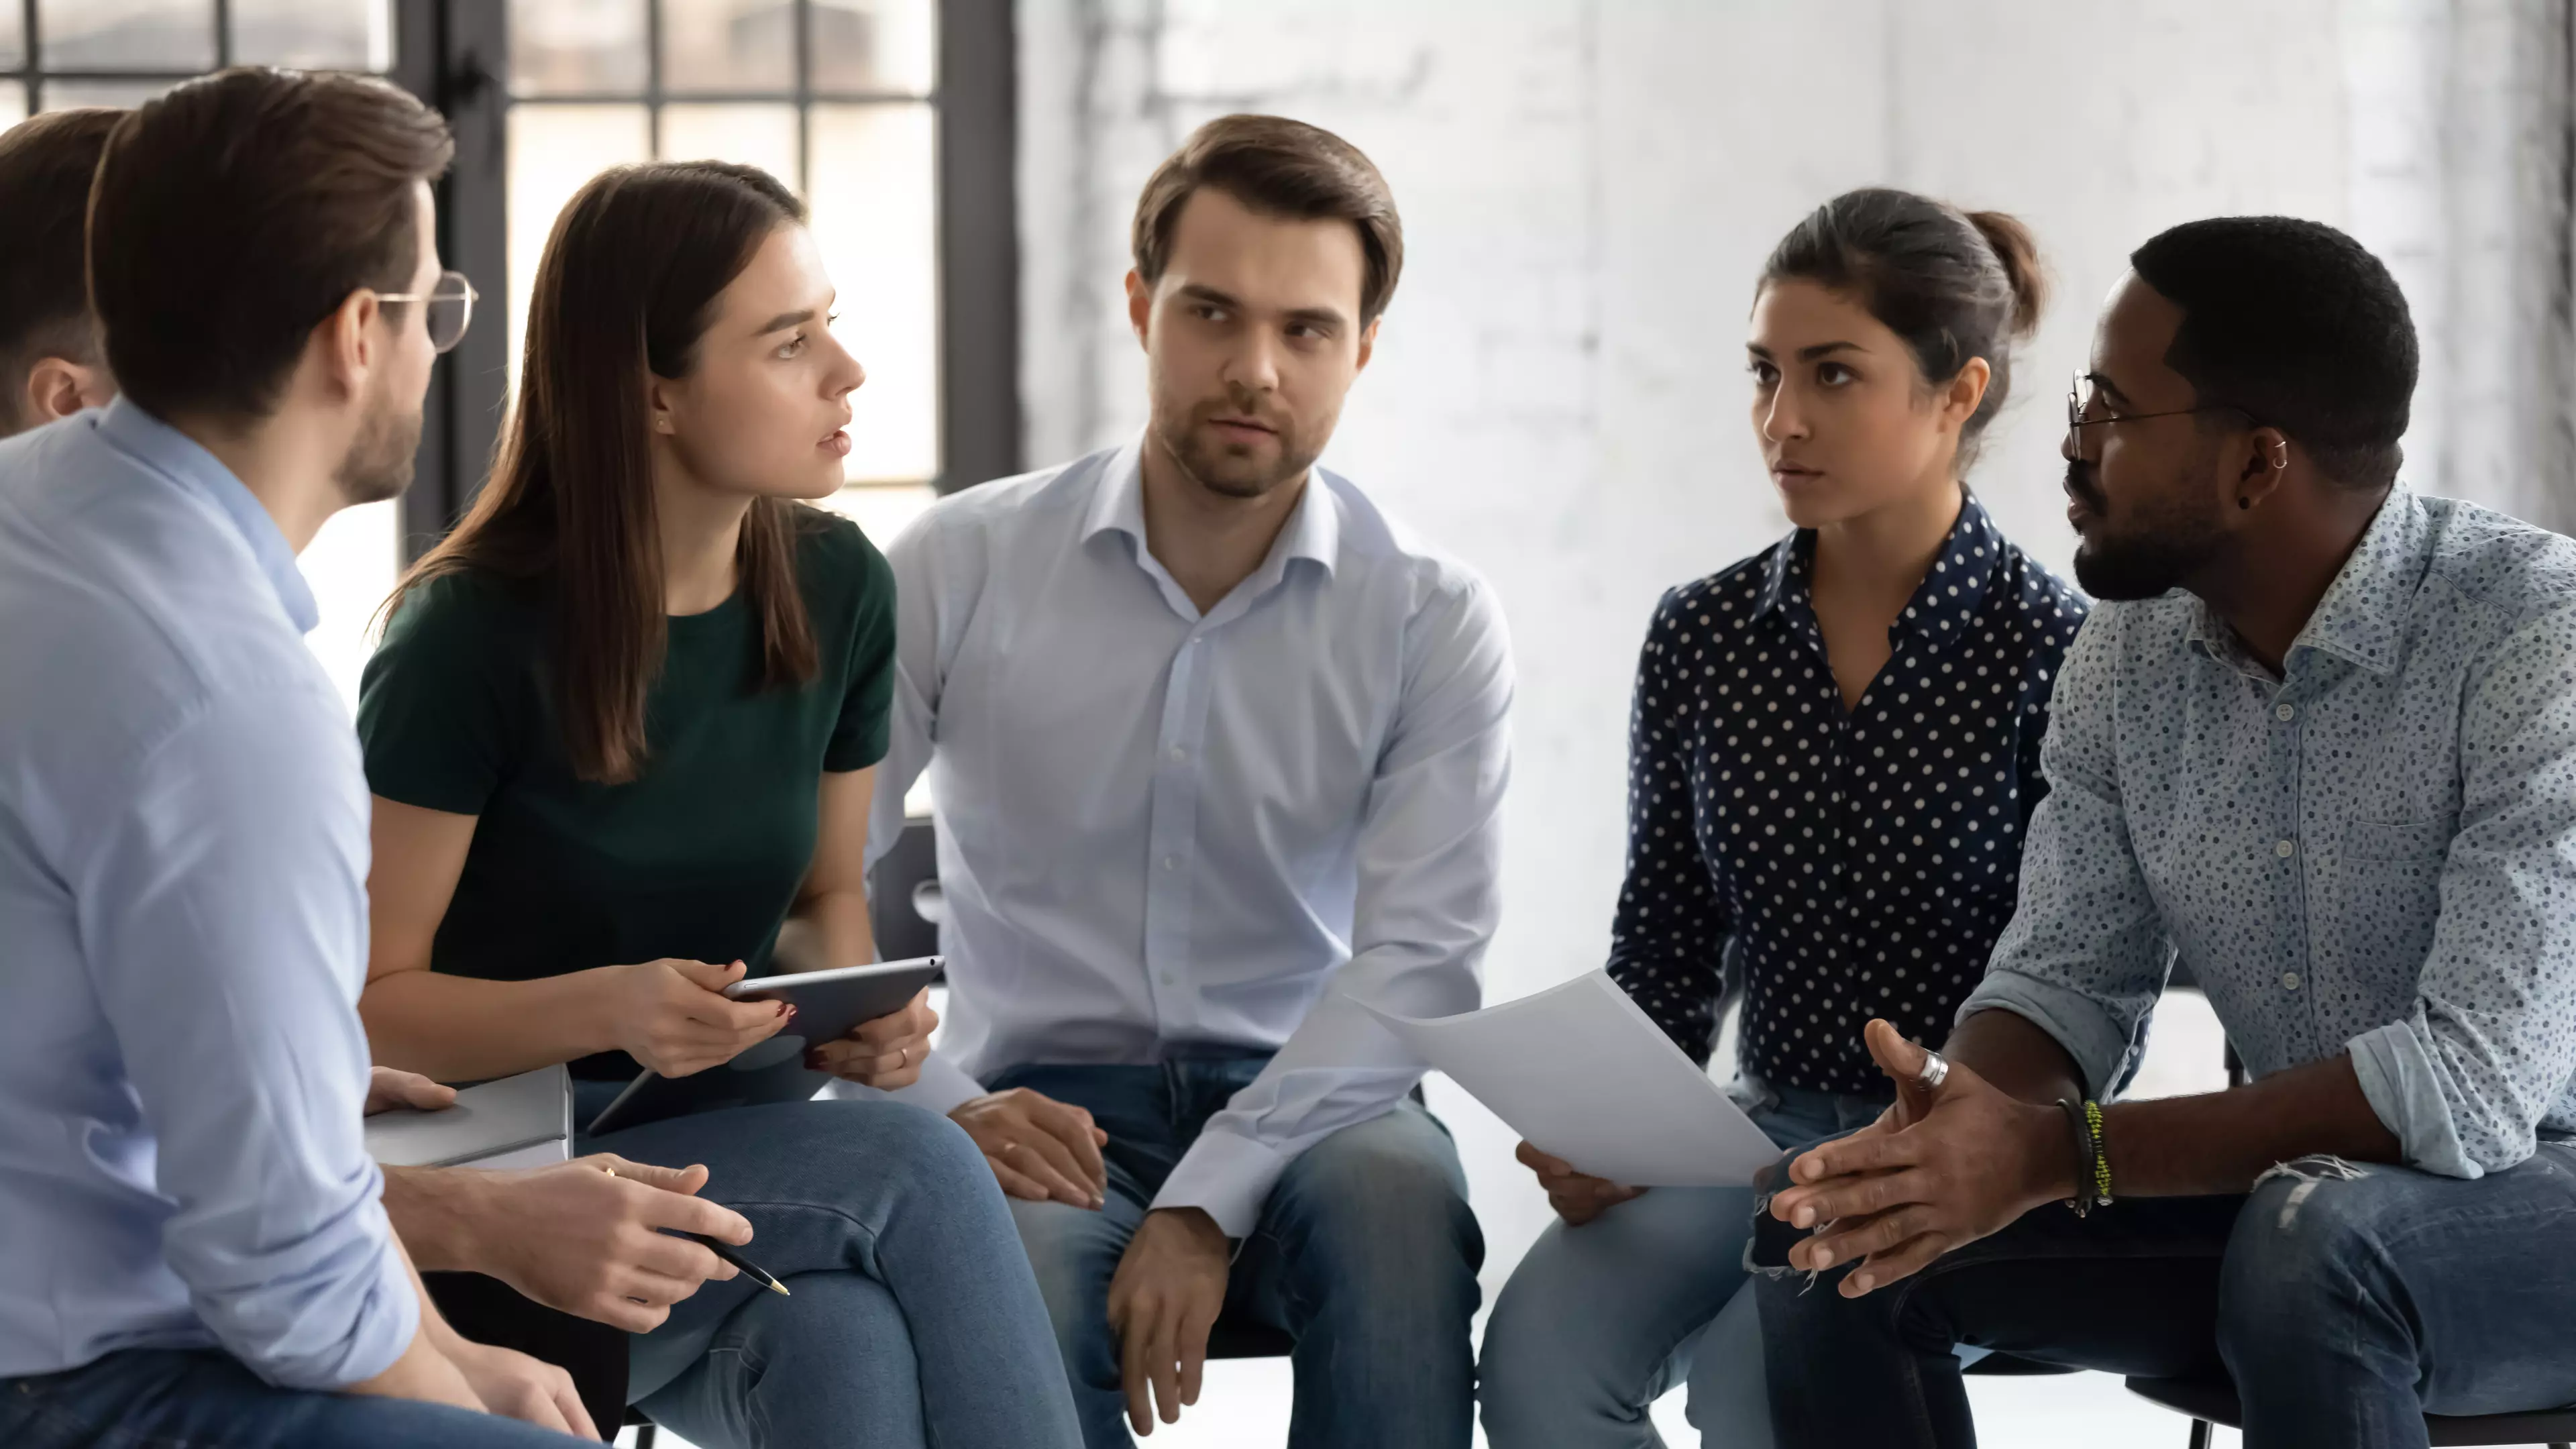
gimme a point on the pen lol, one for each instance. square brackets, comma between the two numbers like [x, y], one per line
[757, 1273]
[750, 1268]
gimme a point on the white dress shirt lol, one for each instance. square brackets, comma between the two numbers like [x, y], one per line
[1163, 831]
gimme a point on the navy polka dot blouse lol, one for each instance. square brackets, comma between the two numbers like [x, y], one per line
[1863, 860]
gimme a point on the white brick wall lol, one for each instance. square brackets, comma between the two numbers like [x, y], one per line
[1588, 188]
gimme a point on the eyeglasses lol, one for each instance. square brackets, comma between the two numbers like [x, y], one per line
[448, 306]
[2082, 394]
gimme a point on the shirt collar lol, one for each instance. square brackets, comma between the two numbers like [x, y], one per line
[2362, 617]
[1943, 603]
[175, 455]
[1313, 530]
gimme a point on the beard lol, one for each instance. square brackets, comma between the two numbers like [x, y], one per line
[1233, 470]
[2153, 548]
[379, 463]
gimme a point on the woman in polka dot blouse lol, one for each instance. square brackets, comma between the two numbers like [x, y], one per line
[1834, 751]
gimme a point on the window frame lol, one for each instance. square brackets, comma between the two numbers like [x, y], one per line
[454, 54]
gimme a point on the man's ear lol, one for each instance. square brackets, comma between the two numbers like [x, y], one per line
[2266, 463]
[58, 387]
[1368, 342]
[1140, 306]
[347, 339]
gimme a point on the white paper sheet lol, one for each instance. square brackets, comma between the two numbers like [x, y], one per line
[1583, 1074]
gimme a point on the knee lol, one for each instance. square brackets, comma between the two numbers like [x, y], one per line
[2310, 1240]
[1073, 1256]
[1385, 1202]
[928, 1149]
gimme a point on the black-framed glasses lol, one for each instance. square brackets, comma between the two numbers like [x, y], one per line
[2078, 401]
[446, 307]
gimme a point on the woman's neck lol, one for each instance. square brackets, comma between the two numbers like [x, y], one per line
[1877, 560]
[701, 532]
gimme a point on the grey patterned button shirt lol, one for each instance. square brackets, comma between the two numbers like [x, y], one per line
[2374, 853]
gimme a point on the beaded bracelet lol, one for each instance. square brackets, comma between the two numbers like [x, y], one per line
[2101, 1159]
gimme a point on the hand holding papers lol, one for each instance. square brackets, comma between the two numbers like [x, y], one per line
[1584, 1075]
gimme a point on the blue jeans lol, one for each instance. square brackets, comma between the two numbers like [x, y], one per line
[914, 1319]
[200, 1399]
[1365, 1255]
[1600, 1321]
[2345, 1302]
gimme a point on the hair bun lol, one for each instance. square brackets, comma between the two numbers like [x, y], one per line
[2019, 252]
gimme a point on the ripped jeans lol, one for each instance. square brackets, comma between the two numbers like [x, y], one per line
[2346, 1303]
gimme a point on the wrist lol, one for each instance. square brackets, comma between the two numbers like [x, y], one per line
[2055, 1158]
[590, 1005]
[434, 1210]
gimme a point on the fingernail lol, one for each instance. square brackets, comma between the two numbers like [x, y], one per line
[1804, 1217]
[1862, 1281]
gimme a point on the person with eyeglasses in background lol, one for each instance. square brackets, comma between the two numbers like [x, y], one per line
[1835, 752]
[2317, 744]
[585, 1238]
[195, 1252]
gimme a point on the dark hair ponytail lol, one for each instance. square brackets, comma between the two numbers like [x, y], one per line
[1953, 284]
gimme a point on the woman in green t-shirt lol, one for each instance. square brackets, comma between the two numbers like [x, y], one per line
[621, 734]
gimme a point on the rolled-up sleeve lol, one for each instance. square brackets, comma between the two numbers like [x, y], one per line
[2086, 954]
[224, 912]
[1429, 855]
[2466, 1077]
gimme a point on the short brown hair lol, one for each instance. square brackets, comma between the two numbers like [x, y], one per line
[235, 213]
[46, 165]
[1282, 168]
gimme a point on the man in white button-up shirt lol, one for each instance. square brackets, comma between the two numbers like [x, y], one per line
[1217, 750]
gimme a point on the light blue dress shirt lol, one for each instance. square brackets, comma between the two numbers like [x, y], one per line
[183, 930]
[2374, 853]
[1162, 831]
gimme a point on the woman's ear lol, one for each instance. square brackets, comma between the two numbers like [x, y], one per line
[1967, 392]
[660, 420]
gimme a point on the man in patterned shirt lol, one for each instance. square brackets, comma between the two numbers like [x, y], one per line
[2318, 746]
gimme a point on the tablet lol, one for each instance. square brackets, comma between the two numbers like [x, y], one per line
[828, 1005]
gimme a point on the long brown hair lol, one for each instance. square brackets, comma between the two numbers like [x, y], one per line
[629, 282]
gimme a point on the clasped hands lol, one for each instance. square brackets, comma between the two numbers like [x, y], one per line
[1938, 1170]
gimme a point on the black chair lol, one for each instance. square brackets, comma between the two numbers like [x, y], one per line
[2212, 1402]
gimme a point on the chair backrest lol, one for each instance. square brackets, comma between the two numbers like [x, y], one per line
[903, 894]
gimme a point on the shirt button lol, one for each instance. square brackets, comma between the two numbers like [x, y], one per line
[2285, 713]
[1171, 862]
[2285, 850]
[1179, 753]
[2290, 980]
[1169, 978]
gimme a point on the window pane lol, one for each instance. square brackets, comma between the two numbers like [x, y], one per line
[553, 150]
[315, 34]
[65, 95]
[127, 34]
[729, 45]
[13, 104]
[872, 197]
[576, 47]
[13, 36]
[762, 136]
[875, 45]
[350, 566]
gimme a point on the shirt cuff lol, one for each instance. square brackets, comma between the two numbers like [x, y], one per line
[377, 1331]
[2397, 1076]
[1228, 1177]
[2077, 1022]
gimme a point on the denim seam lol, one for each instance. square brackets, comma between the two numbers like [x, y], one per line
[758, 1368]
[118, 1435]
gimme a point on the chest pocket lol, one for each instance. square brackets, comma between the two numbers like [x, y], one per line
[2390, 886]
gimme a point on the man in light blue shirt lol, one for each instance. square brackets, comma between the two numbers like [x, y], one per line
[196, 1254]
[2319, 748]
[1217, 750]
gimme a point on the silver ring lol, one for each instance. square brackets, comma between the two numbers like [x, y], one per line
[1935, 1072]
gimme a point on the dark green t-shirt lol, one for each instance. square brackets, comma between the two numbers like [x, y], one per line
[698, 857]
